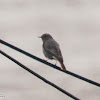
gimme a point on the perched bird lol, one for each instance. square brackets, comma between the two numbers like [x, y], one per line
[51, 49]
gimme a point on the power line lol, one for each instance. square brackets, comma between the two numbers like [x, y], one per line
[40, 77]
[49, 64]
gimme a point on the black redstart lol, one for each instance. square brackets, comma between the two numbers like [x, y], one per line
[51, 49]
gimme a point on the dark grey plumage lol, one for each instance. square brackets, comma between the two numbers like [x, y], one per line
[51, 49]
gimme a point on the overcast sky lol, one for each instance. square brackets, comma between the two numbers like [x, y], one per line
[74, 24]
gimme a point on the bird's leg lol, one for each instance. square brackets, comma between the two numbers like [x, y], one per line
[47, 59]
[56, 62]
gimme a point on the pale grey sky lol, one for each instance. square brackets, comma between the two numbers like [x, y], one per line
[74, 24]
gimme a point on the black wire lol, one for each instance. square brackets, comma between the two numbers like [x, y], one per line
[40, 77]
[49, 64]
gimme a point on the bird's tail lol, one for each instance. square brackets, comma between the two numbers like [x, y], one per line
[60, 60]
[62, 66]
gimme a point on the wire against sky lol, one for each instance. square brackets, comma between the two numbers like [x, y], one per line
[40, 77]
[49, 64]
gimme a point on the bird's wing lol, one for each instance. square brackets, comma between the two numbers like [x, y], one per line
[53, 47]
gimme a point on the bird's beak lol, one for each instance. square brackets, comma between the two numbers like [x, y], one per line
[39, 36]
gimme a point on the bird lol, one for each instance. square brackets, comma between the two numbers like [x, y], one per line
[51, 49]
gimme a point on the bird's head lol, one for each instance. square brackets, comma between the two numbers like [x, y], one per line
[46, 37]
